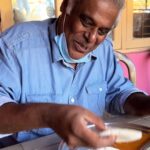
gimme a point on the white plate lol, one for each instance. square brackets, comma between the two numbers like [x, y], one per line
[124, 135]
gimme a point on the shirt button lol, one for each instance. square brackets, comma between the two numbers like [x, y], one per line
[100, 89]
[72, 100]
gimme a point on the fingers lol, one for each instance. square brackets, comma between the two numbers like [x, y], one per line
[84, 136]
[93, 119]
[75, 132]
[92, 139]
[89, 138]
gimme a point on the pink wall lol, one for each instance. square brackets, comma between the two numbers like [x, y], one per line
[142, 64]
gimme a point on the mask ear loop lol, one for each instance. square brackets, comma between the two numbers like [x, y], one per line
[63, 25]
[67, 12]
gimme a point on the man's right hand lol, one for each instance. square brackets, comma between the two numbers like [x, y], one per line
[70, 123]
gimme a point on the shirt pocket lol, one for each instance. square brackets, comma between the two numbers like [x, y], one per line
[96, 94]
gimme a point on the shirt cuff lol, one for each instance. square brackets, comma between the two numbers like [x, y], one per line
[4, 100]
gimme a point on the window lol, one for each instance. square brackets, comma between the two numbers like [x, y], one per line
[135, 26]
[141, 18]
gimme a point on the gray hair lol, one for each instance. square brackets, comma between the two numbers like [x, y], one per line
[119, 3]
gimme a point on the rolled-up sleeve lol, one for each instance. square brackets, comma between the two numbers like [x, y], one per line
[9, 74]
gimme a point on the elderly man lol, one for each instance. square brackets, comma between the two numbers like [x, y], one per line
[59, 75]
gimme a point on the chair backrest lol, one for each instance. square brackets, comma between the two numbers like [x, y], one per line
[129, 64]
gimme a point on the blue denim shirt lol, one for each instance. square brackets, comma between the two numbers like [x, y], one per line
[32, 70]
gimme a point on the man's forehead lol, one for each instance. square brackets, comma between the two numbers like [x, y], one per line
[118, 3]
[87, 1]
[95, 4]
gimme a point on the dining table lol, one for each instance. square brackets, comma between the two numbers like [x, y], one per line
[52, 142]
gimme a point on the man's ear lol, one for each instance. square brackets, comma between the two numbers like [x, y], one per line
[66, 6]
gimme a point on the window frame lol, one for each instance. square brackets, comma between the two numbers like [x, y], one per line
[6, 14]
[127, 42]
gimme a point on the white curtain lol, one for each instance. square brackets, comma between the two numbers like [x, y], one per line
[26, 10]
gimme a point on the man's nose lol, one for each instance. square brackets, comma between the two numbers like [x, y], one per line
[91, 35]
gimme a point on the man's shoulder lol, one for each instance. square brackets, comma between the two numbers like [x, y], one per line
[105, 49]
[25, 31]
[107, 41]
[105, 46]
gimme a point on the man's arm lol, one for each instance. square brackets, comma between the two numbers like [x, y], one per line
[17, 117]
[137, 104]
[68, 121]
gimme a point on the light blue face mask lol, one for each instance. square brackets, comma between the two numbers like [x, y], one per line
[62, 45]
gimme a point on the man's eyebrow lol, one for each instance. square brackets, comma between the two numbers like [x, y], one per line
[85, 16]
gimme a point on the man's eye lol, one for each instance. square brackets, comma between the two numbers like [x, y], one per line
[103, 31]
[85, 21]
